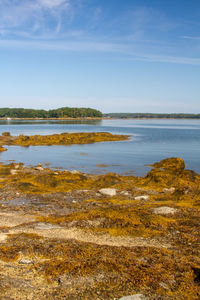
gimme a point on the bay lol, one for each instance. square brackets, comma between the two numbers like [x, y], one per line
[151, 140]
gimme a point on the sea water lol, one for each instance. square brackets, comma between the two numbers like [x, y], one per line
[150, 140]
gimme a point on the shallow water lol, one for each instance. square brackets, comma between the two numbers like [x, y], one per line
[151, 140]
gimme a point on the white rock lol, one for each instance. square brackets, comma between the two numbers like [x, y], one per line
[165, 210]
[25, 261]
[39, 168]
[142, 197]
[13, 172]
[17, 166]
[108, 192]
[125, 193]
[74, 172]
[135, 297]
[46, 226]
[170, 190]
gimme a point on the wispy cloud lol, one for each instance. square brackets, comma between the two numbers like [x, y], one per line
[169, 59]
[79, 46]
[141, 33]
[33, 16]
[191, 37]
[91, 46]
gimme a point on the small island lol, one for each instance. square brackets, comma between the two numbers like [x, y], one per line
[58, 139]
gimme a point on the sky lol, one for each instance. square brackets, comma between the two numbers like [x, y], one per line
[112, 55]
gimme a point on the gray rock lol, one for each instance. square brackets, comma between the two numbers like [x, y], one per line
[135, 297]
[164, 210]
[108, 192]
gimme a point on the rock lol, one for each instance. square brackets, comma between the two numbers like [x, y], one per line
[39, 168]
[6, 133]
[46, 226]
[13, 172]
[169, 190]
[124, 193]
[25, 261]
[17, 166]
[135, 297]
[164, 285]
[164, 210]
[142, 197]
[172, 164]
[2, 149]
[74, 172]
[108, 192]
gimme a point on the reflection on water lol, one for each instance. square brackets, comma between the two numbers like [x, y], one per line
[151, 140]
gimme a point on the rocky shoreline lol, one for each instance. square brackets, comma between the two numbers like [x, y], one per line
[69, 235]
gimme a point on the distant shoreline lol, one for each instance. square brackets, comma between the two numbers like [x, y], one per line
[103, 118]
[151, 116]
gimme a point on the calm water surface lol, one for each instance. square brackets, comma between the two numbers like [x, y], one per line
[151, 141]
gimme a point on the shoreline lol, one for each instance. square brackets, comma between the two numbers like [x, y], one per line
[84, 236]
[98, 118]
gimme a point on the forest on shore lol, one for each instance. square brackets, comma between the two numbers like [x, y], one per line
[152, 116]
[63, 112]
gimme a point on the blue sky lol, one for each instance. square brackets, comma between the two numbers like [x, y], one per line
[113, 55]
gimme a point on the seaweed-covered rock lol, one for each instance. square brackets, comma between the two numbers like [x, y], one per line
[107, 180]
[2, 149]
[171, 164]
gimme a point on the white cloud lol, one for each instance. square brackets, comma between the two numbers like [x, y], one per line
[191, 37]
[52, 3]
[32, 16]
[168, 59]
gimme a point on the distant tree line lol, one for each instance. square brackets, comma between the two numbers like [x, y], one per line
[152, 116]
[64, 112]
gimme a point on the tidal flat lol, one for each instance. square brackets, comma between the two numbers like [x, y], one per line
[71, 235]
